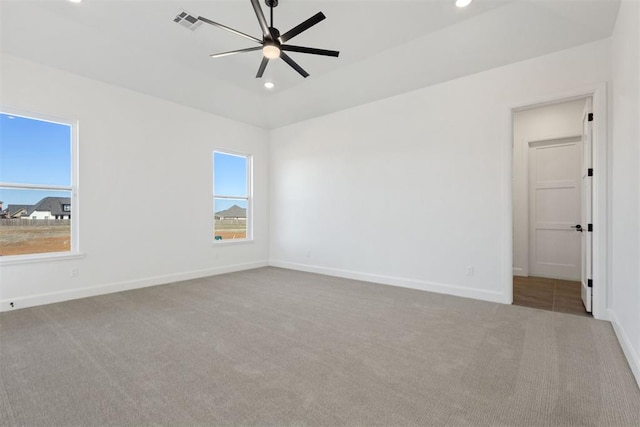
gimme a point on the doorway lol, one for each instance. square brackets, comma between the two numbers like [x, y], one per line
[552, 206]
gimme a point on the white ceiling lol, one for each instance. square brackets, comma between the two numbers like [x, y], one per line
[386, 47]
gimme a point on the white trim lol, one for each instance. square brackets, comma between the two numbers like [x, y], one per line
[559, 98]
[26, 114]
[232, 242]
[600, 202]
[84, 292]
[630, 353]
[231, 197]
[403, 282]
[35, 186]
[506, 231]
[517, 271]
[231, 152]
[43, 257]
[250, 212]
[598, 92]
[561, 140]
[73, 188]
[75, 184]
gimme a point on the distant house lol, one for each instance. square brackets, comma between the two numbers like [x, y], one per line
[47, 208]
[234, 212]
[17, 211]
[52, 208]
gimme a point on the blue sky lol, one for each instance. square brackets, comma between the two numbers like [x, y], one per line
[229, 175]
[33, 152]
[229, 179]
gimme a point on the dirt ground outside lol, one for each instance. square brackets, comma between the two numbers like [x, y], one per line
[229, 229]
[25, 239]
[29, 239]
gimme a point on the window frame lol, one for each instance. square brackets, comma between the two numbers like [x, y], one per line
[248, 198]
[74, 251]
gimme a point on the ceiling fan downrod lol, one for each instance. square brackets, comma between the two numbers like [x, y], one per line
[271, 4]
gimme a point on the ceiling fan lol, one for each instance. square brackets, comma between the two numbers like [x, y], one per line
[273, 43]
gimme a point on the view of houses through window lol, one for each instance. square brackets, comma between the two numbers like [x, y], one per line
[231, 196]
[35, 186]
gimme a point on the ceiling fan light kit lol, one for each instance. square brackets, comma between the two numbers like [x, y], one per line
[271, 51]
[273, 43]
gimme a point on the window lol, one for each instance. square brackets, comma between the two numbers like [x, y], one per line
[231, 196]
[37, 184]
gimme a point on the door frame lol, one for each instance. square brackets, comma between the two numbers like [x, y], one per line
[601, 159]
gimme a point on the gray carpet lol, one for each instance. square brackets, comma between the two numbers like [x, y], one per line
[278, 347]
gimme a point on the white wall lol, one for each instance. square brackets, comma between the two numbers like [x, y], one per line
[625, 195]
[138, 155]
[536, 124]
[41, 215]
[413, 189]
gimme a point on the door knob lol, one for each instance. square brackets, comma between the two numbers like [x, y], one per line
[578, 227]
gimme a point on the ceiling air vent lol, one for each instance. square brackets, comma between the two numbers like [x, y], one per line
[187, 20]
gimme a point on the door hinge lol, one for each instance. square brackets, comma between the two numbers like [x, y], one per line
[590, 172]
[590, 118]
[590, 227]
[589, 283]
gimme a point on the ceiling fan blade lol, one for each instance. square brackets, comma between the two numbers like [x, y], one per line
[224, 27]
[302, 27]
[263, 65]
[286, 58]
[310, 50]
[233, 52]
[261, 19]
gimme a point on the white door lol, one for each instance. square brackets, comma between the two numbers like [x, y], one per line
[586, 210]
[554, 208]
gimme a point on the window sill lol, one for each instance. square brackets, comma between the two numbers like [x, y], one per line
[232, 242]
[34, 258]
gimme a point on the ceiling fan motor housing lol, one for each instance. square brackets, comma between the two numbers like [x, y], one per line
[274, 33]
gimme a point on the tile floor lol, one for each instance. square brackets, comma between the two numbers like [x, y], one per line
[548, 294]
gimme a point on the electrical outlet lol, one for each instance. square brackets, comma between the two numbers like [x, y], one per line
[75, 272]
[470, 270]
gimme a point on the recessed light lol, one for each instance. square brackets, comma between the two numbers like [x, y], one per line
[269, 85]
[463, 3]
[75, 1]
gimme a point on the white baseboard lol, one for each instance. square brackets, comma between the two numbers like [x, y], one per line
[403, 282]
[518, 271]
[70, 294]
[630, 353]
